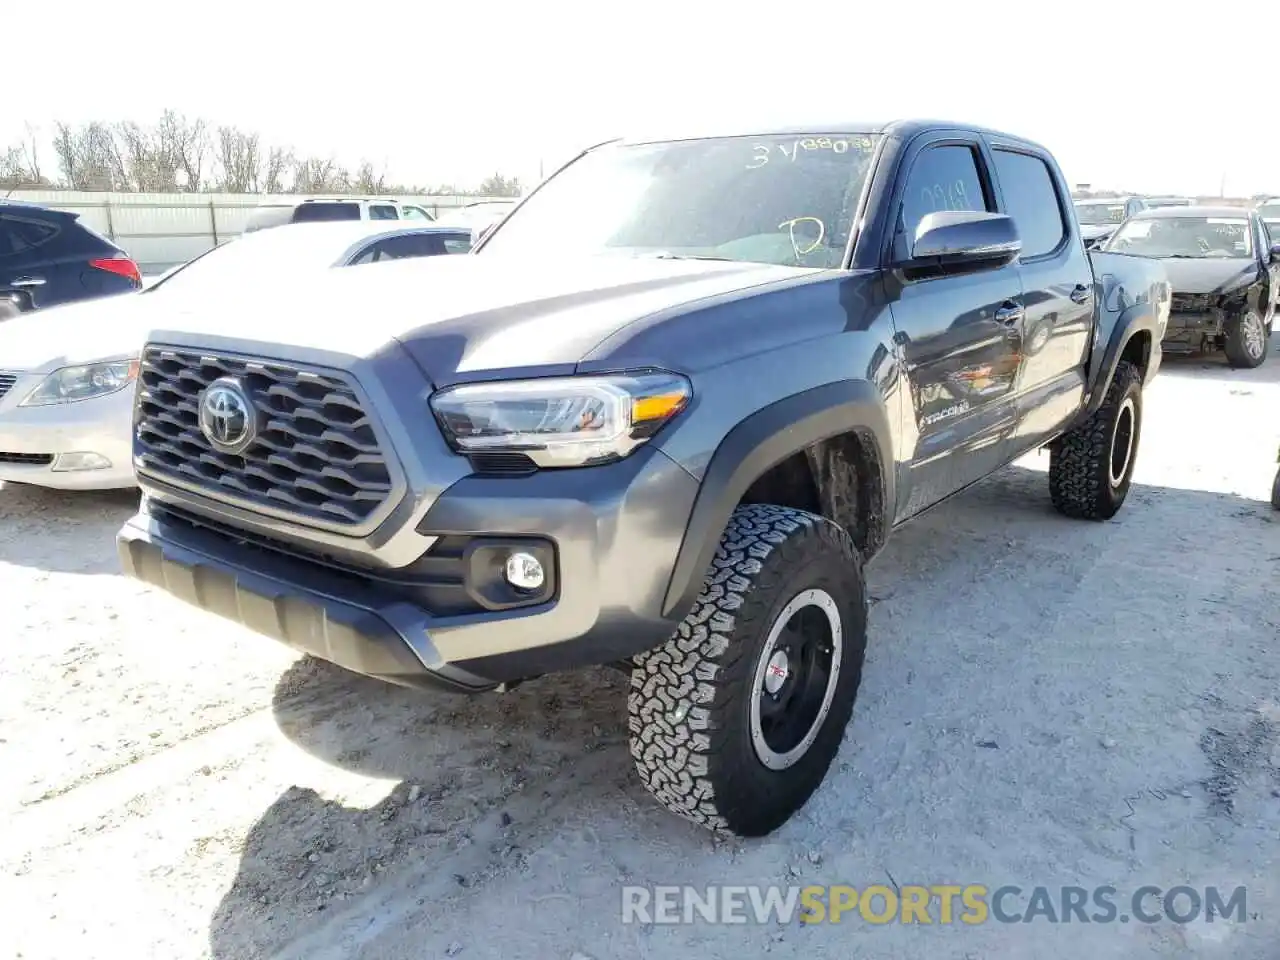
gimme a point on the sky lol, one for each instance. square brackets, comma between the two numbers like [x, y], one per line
[1128, 93]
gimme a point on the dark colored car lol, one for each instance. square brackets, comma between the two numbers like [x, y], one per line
[1224, 266]
[662, 433]
[48, 257]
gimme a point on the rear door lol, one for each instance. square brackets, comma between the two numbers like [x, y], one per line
[959, 334]
[1057, 289]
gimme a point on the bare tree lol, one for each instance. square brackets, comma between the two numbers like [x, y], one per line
[89, 157]
[367, 182]
[148, 164]
[184, 145]
[239, 158]
[20, 163]
[314, 175]
[500, 186]
[279, 160]
[182, 153]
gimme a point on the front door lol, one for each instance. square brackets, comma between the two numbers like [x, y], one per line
[959, 338]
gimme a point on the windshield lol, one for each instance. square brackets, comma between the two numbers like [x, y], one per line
[786, 200]
[1093, 214]
[1184, 237]
[256, 254]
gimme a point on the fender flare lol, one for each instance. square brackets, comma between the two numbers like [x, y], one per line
[1138, 318]
[761, 441]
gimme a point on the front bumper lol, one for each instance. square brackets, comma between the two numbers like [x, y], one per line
[33, 439]
[616, 531]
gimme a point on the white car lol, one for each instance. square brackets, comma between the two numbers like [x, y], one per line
[66, 373]
[328, 209]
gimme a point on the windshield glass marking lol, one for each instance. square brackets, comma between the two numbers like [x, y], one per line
[788, 200]
[840, 145]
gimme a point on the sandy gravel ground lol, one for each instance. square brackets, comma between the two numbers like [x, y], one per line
[1045, 703]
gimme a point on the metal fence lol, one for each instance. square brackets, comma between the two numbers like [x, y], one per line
[161, 230]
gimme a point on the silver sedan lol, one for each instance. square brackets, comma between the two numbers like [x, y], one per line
[66, 373]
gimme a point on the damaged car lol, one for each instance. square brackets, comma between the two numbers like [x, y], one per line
[1224, 269]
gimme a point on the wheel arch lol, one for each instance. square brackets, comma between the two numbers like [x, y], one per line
[827, 450]
[1135, 337]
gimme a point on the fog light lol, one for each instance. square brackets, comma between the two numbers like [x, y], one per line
[524, 571]
[67, 462]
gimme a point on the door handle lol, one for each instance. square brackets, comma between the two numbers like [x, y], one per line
[28, 282]
[1081, 293]
[1009, 313]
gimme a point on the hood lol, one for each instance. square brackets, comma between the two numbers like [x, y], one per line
[100, 329]
[462, 315]
[1208, 276]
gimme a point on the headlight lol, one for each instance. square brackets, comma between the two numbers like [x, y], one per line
[68, 384]
[562, 421]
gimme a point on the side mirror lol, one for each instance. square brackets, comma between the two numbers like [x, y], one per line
[964, 238]
[1275, 253]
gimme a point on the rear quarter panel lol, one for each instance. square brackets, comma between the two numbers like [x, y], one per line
[1133, 297]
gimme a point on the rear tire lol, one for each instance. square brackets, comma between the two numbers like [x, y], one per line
[1091, 467]
[736, 719]
[1246, 341]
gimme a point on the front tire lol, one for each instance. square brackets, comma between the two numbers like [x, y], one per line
[736, 719]
[1246, 341]
[1091, 467]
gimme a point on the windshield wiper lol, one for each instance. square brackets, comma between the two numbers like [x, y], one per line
[665, 255]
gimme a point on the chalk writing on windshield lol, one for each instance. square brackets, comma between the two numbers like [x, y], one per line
[762, 153]
[790, 227]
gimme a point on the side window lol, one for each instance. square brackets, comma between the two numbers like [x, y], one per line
[457, 244]
[942, 178]
[19, 235]
[403, 247]
[415, 213]
[1032, 198]
[382, 211]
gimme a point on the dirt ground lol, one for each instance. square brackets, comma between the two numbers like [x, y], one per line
[1045, 702]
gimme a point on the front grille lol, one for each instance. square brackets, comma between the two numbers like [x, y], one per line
[316, 454]
[27, 459]
[7, 380]
[1191, 302]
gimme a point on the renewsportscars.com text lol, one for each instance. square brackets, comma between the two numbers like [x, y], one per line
[943, 904]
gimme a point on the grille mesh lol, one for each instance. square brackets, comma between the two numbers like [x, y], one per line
[7, 380]
[316, 453]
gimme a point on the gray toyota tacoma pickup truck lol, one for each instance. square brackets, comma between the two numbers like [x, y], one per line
[659, 419]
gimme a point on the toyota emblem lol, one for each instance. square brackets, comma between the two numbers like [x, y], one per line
[228, 419]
